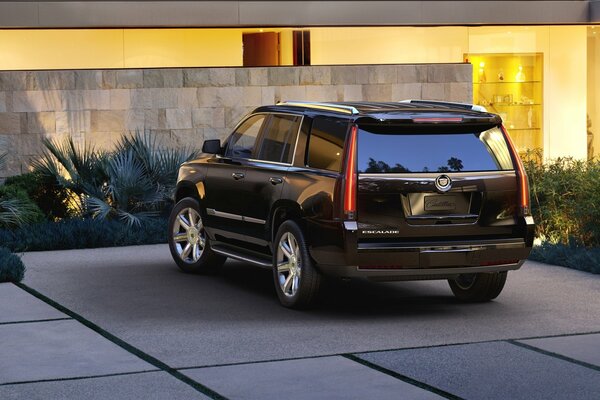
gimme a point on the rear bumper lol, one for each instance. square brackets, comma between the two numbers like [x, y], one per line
[434, 260]
[411, 274]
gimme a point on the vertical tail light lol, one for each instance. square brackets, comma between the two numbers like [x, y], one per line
[350, 186]
[524, 208]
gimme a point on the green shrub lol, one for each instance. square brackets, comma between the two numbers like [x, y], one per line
[47, 195]
[565, 200]
[83, 233]
[11, 266]
[17, 207]
[133, 182]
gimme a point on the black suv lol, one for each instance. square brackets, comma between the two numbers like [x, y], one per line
[385, 191]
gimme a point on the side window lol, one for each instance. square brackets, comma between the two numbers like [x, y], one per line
[326, 144]
[279, 137]
[242, 141]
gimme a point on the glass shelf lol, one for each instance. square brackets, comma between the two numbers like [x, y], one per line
[513, 105]
[519, 94]
[504, 82]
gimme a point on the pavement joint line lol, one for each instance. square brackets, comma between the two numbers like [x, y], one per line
[554, 355]
[259, 361]
[377, 351]
[126, 346]
[476, 342]
[77, 378]
[402, 377]
[33, 321]
[557, 335]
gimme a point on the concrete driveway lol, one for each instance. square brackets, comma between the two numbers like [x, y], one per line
[125, 323]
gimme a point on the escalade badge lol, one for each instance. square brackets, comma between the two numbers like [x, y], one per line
[443, 183]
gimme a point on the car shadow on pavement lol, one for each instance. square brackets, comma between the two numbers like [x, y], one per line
[358, 297]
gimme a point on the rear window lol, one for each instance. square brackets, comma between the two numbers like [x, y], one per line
[438, 152]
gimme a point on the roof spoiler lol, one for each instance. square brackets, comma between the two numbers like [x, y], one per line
[464, 106]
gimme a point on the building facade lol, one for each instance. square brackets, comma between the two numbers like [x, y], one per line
[189, 69]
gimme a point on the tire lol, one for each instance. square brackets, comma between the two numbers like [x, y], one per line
[189, 244]
[480, 287]
[297, 281]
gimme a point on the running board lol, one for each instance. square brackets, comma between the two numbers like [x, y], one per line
[237, 255]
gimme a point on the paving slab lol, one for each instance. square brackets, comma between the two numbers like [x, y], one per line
[138, 294]
[16, 305]
[325, 378]
[60, 349]
[494, 370]
[584, 348]
[147, 386]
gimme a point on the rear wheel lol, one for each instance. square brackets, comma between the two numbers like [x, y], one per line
[188, 242]
[297, 281]
[478, 287]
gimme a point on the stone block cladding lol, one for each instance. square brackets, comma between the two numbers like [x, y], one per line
[184, 106]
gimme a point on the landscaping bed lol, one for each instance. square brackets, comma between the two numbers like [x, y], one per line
[83, 198]
[565, 203]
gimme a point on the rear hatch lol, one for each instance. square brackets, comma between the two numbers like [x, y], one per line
[435, 182]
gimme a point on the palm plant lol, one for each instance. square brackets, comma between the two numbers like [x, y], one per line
[133, 182]
[13, 211]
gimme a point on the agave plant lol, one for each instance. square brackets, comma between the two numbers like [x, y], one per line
[133, 182]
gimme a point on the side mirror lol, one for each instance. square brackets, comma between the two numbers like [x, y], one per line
[212, 146]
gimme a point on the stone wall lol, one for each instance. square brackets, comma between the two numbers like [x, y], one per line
[186, 106]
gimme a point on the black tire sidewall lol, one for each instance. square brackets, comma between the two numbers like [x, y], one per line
[485, 287]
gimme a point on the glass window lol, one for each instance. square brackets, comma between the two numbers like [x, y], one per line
[279, 136]
[388, 152]
[241, 143]
[326, 144]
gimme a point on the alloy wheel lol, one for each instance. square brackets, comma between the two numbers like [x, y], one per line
[288, 264]
[189, 236]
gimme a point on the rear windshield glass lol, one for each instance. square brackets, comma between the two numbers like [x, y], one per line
[438, 152]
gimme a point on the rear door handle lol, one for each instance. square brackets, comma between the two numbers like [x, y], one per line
[275, 180]
[238, 175]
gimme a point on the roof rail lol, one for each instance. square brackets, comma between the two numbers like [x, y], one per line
[465, 106]
[321, 106]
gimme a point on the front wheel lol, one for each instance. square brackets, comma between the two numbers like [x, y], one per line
[297, 281]
[188, 242]
[478, 287]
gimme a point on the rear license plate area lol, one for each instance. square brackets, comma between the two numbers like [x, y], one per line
[437, 203]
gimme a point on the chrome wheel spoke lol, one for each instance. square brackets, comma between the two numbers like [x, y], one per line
[287, 251]
[283, 266]
[201, 242]
[184, 222]
[186, 251]
[287, 284]
[180, 237]
[195, 252]
[191, 217]
[293, 245]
